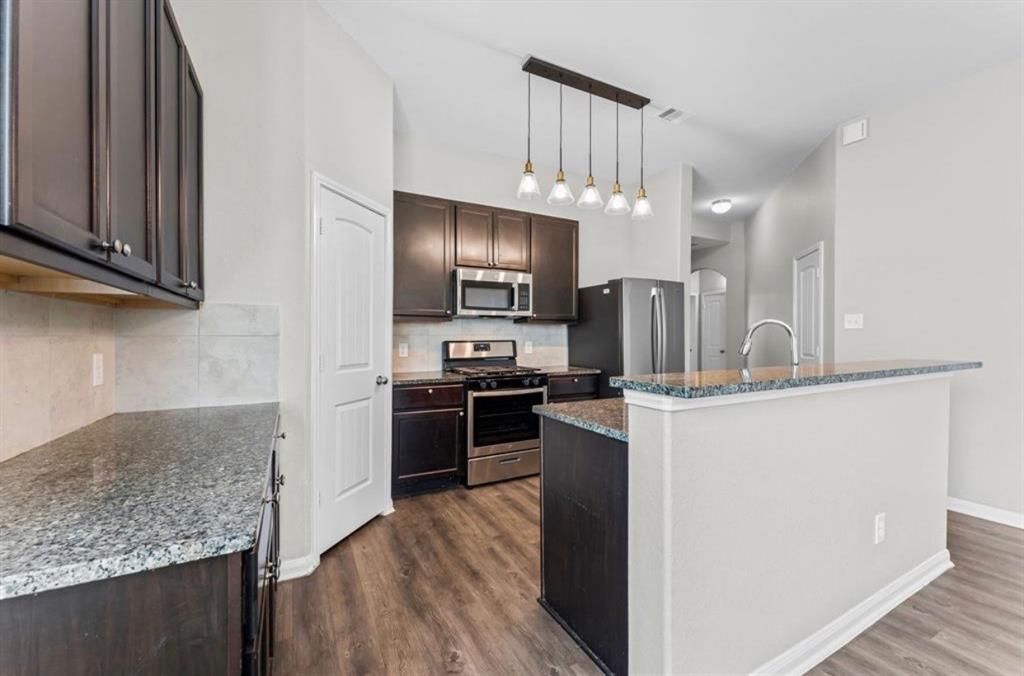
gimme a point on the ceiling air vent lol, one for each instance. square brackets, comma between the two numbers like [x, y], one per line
[673, 115]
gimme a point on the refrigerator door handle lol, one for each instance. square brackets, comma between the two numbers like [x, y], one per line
[655, 330]
[663, 325]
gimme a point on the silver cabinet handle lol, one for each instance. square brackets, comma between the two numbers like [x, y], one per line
[430, 391]
[575, 380]
[126, 249]
[191, 285]
[462, 413]
[105, 245]
[382, 380]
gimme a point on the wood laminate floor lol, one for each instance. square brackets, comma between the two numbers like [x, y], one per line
[448, 584]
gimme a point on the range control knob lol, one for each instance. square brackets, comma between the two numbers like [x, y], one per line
[536, 382]
[494, 384]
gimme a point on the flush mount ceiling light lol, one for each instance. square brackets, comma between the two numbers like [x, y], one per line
[721, 206]
[642, 207]
[560, 193]
[617, 203]
[590, 198]
[529, 188]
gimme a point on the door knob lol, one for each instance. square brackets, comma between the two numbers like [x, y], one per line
[721, 352]
[382, 380]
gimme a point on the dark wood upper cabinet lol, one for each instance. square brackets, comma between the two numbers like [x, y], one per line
[473, 226]
[554, 261]
[423, 242]
[130, 125]
[490, 238]
[511, 241]
[105, 143]
[169, 124]
[57, 140]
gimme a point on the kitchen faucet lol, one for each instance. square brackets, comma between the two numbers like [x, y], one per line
[794, 353]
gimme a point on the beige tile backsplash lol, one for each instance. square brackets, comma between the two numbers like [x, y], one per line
[46, 352]
[224, 354]
[550, 341]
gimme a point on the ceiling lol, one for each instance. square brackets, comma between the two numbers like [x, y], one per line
[763, 82]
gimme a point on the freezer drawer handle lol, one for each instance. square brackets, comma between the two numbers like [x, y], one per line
[508, 461]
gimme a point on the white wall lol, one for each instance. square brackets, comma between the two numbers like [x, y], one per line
[797, 215]
[929, 221]
[730, 260]
[279, 80]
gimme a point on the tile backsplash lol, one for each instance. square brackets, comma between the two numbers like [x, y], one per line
[224, 354]
[550, 341]
[46, 368]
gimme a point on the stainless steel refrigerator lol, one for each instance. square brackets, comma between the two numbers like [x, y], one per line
[629, 326]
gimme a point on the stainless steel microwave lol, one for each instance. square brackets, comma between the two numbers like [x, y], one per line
[492, 293]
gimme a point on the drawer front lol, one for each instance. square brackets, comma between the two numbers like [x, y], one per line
[571, 386]
[427, 396]
[504, 466]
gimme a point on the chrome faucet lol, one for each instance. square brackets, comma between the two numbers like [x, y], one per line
[794, 353]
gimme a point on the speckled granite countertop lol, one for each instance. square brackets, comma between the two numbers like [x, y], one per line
[133, 492]
[607, 417]
[735, 381]
[442, 378]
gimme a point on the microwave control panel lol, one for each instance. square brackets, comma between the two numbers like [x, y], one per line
[524, 298]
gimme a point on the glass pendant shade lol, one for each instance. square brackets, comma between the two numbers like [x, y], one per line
[590, 198]
[560, 193]
[529, 188]
[642, 207]
[617, 203]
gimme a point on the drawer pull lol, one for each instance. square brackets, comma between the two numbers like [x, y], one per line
[430, 391]
[508, 461]
[575, 380]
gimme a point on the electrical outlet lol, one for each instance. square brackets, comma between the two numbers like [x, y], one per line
[879, 528]
[853, 321]
[528, 347]
[403, 349]
[97, 369]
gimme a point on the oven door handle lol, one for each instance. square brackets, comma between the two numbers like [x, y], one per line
[503, 393]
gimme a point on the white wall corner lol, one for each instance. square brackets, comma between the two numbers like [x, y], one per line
[1003, 516]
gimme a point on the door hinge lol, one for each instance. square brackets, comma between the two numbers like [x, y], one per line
[321, 362]
[321, 225]
[319, 499]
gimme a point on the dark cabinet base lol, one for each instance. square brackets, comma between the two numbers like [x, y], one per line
[584, 502]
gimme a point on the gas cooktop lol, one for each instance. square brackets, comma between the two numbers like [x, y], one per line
[492, 370]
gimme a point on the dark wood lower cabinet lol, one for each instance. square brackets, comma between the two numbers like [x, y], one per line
[211, 616]
[584, 521]
[427, 438]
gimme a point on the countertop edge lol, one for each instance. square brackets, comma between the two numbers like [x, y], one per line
[582, 423]
[698, 392]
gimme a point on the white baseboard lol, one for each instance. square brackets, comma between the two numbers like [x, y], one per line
[806, 654]
[1003, 516]
[300, 567]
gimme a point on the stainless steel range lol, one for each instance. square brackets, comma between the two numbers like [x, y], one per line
[503, 432]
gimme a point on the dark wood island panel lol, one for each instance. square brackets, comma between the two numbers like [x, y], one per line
[584, 498]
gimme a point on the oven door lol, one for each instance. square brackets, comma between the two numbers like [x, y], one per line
[502, 421]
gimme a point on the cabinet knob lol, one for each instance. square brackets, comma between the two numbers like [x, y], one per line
[462, 413]
[430, 390]
[126, 250]
[191, 285]
[447, 312]
[117, 246]
[575, 380]
[105, 245]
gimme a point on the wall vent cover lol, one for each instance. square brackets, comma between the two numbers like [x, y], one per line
[673, 115]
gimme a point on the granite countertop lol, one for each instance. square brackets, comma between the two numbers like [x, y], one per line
[133, 492]
[607, 417]
[734, 381]
[442, 378]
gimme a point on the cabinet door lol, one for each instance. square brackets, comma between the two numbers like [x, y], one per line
[511, 241]
[170, 151]
[426, 443]
[130, 169]
[554, 263]
[192, 137]
[56, 85]
[423, 256]
[473, 236]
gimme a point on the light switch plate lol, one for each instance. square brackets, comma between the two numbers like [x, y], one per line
[97, 369]
[403, 349]
[854, 321]
[528, 347]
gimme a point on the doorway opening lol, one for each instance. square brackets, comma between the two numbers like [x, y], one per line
[709, 339]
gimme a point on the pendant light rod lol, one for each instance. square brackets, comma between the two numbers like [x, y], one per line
[550, 71]
[590, 135]
[641, 147]
[559, 126]
[616, 141]
[529, 112]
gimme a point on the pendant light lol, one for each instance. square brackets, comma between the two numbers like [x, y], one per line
[642, 207]
[617, 203]
[590, 198]
[529, 188]
[560, 193]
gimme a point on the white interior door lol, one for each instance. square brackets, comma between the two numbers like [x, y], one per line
[353, 435]
[712, 330]
[809, 303]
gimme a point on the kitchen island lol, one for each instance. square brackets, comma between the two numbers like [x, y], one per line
[770, 515]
